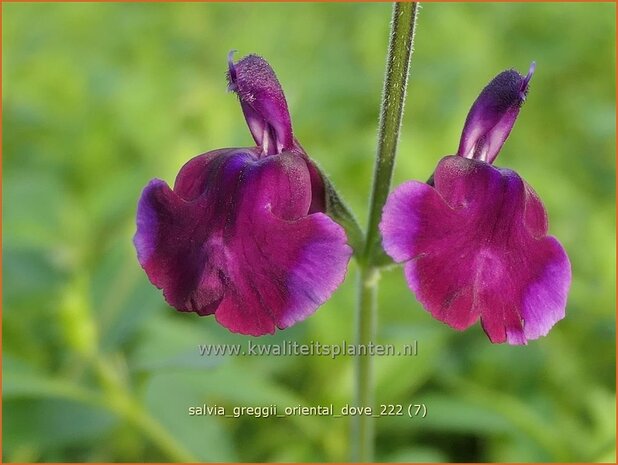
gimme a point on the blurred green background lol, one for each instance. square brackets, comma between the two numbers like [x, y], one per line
[100, 98]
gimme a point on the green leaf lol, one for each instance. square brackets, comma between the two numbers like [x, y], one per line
[172, 344]
[42, 412]
[416, 455]
[48, 422]
[33, 385]
[170, 394]
[168, 398]
[122, 296]
[455, 414]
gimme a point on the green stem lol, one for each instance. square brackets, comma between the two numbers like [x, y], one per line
[363, 427]
[391, 113]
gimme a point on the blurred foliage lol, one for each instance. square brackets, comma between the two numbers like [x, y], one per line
[100, 98]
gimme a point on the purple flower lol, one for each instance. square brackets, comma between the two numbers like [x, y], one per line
[242, 234]
[474, 240]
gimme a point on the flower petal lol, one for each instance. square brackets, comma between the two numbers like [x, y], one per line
[476, 246]
[263, 103]
[201, 174]
[493, 115]
[289, 270]
[234, 239]
[175, 256]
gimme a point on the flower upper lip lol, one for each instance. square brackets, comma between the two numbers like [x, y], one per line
[263, 103]
[493, 114]
[526, 82]
[231, 86]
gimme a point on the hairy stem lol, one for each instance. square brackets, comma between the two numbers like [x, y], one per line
[391, 113]
[363, 427]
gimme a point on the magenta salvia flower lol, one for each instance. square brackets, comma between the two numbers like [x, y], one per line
[474, 239]
[242, 235]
